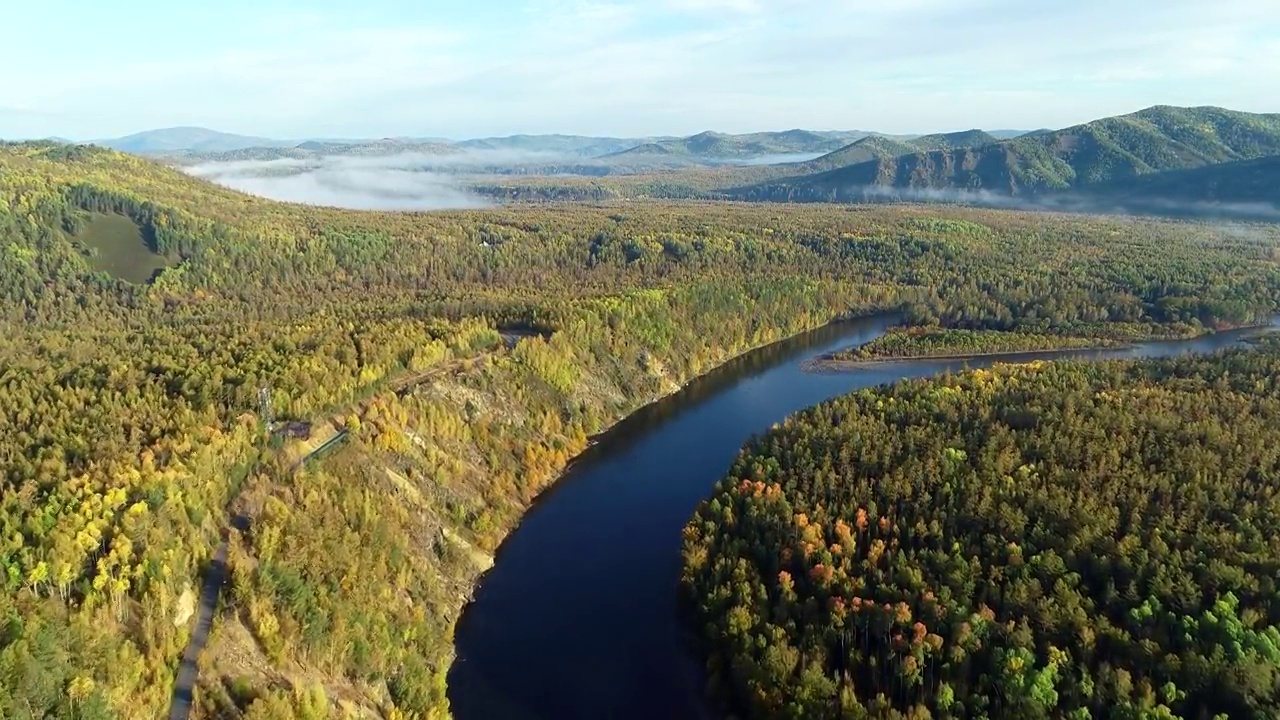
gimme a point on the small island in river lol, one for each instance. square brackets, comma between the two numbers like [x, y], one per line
[946, 343]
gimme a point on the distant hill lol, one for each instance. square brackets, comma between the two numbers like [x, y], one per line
[202, 141]
[186, 139]
[316, 149]
[1107, 151]
[867, 149]
[1007, 134]
[468, 159]
[554, 154]
[576, 145]
[710, 146]
[949, 141]
[386, 146]
[719, 146]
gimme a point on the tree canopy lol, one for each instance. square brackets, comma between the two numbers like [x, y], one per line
[1049, 540]
[128, 408]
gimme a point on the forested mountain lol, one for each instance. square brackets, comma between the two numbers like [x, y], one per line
[948, 141]
[1112, 150]
[576, 145]
[717, 146]
[878, 147]
[1053, 540]
[187, 139]
[317, 149]
[145, 312]
[387, 146]
[871, 147]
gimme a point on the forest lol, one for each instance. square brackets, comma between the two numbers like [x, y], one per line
[129, 409]
[1040, 540]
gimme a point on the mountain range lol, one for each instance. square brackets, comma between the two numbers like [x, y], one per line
[187, 139]
[182, 142]
[714, 145]
[572, 145]
[192, 144]
[1159, 155]
[1139, 153]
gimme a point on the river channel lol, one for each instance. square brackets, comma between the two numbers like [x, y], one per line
[578, 619]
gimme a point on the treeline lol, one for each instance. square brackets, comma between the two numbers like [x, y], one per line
[1060, 540]
[165, 231]
[128, 412]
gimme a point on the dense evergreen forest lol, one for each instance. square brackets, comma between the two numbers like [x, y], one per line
[129, 426]
[1050, 540]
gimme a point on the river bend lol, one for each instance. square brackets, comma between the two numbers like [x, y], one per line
[578, 619]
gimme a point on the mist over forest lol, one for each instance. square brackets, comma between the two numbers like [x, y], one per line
[387, 183]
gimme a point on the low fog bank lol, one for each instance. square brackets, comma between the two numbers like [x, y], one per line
[1097, 204]
[779, 159]
[404, 181]
[436, 181]
[409, 180]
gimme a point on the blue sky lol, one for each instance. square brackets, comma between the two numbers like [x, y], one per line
[88, 69]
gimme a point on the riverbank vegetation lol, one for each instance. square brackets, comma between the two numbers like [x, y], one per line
[1050, 540]
[936, 342]
[129, 405]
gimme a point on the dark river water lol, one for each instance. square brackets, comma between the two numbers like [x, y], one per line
[578, 619]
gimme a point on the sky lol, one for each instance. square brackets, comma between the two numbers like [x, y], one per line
[86, 69]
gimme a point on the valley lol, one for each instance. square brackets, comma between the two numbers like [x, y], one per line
[505, 505]
[1163, 160]
[624, 360]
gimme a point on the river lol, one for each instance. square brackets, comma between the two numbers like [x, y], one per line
[578, 619]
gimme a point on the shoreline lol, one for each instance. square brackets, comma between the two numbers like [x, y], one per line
[546, 493]
[596, 438]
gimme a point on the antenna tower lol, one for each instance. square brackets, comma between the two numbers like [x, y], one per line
[264, 407]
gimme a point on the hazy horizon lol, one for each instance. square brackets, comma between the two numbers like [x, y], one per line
[624, 68]
[300, 138]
